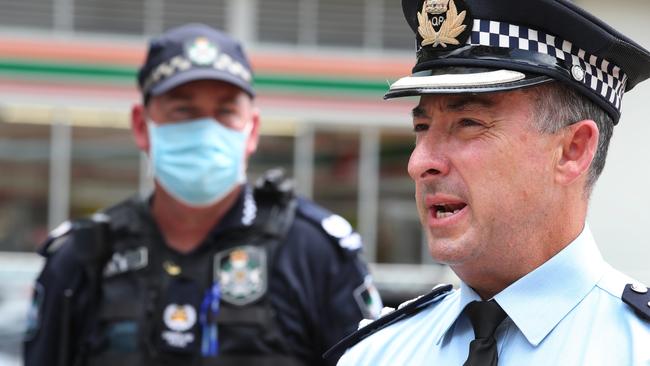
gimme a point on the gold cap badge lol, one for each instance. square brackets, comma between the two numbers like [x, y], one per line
[440, 23]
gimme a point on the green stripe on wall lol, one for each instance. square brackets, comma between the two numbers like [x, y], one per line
[114, 74]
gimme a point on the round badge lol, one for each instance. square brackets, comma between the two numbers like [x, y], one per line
[179, 318]
[337, 226]
[201, 51]
[578, 72]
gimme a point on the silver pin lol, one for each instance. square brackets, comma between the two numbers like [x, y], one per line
[578, 72]
[639, 289]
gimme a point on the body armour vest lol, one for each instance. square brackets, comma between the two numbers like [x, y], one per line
[208, 307]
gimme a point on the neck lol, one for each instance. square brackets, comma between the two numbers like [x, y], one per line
[532, 247]
[184, 227]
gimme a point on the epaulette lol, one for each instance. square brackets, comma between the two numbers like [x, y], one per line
[637, 297]
[55, 239]
[82, 231]
[335, 226]
[404, 311]
[274, 186]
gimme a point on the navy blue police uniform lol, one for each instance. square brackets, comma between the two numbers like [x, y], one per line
[276, 282]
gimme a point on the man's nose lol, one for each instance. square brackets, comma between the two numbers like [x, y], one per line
[428, 160]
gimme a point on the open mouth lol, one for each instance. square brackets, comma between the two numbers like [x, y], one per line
[447, 210]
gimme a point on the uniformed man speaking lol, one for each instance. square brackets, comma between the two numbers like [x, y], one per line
[208, 270]
[518, 101]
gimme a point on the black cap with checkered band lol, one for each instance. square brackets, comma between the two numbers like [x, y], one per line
[193, 52]
[475, 46]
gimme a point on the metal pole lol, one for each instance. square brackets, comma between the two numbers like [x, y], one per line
[373, 36]
[63, 16]
[303, 160]
[369, 190]
[59, 187]
[153, 17]
[241, 21]
[308, 22]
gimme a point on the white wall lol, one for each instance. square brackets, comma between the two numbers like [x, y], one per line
[620, 208]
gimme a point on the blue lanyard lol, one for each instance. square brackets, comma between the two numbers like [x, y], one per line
[208, 318]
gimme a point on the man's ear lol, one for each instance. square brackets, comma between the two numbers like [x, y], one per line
[139, 127]
[578, 149]
[254, 136]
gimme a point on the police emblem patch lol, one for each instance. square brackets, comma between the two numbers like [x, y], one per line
[368, 299]
[201, 51]
[442, 24]
[34, 312]
[242, 274]
[179, 318]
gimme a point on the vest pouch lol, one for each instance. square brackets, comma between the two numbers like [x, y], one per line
[178, 323]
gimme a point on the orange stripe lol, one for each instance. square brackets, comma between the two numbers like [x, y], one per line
[115, 53]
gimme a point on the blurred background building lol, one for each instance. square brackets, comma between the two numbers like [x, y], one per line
[67, 82]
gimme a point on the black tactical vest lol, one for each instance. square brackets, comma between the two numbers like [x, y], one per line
[152, 300]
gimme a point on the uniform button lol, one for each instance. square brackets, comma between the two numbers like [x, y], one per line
[649, 304]
[578, 72]
[639, 289]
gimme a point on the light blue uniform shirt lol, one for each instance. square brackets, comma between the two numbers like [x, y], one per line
[566, 312]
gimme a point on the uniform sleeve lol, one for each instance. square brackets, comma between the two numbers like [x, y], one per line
[43, 339]
[325, 287]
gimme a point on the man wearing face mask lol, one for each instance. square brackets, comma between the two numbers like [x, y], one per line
[208, 270]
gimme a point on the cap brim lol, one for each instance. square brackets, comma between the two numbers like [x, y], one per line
[458, 80]
[200, 74]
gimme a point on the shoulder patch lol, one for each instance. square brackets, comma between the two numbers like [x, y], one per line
[335, 226]
[637, 296]
[368, 299]
[405, 310]
[34, 312]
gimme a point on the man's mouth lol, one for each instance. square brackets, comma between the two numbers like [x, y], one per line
[448, 209]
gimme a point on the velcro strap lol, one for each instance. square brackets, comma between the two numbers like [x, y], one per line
[267, 360]
[249, 315]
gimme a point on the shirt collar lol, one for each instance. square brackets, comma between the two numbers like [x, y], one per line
[537, 302]
[465, 295]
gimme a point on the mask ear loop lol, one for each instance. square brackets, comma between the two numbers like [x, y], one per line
[248, 129]
[151, 124]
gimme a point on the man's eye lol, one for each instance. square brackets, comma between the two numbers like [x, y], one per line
[420, 127]
[468, 123]
[226, 111]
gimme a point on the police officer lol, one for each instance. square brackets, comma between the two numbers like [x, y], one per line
[518, 100]
[209, 270]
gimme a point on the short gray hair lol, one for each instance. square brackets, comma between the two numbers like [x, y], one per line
[558, 106]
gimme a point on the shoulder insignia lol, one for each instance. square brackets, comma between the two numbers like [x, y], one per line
[637, 296]
[368, 299]
[405, 310]
[338, 228]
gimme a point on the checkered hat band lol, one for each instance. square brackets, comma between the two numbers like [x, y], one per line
[603, 77]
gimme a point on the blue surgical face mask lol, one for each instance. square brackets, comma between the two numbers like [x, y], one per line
[197, 162]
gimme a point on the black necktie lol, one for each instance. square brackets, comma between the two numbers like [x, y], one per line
[485, 317]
